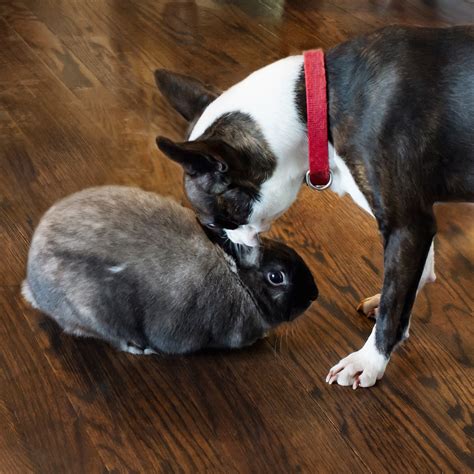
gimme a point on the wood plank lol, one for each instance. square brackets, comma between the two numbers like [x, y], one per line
[41, 431]
[209, 412]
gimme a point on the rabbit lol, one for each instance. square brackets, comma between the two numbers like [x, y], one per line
[140, 272]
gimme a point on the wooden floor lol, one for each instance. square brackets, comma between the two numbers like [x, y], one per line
[78, 107]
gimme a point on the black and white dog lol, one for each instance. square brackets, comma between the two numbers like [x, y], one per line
[401, 137]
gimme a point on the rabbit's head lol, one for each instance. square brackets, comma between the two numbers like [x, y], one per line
[278, 279]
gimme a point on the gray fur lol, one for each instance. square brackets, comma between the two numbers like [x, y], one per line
[137, 270]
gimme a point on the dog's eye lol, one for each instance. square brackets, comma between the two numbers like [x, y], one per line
[211, 225]
[276, 278]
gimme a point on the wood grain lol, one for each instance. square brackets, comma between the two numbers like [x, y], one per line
[78, 107]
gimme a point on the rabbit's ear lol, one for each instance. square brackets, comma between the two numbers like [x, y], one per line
[247, 257]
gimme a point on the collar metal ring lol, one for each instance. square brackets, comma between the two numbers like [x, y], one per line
[318, 187]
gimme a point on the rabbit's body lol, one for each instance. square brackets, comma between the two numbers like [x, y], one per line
[137, 270]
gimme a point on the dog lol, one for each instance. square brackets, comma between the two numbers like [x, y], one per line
[400, 138]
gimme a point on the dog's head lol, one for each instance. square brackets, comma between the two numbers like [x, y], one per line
[239, 161]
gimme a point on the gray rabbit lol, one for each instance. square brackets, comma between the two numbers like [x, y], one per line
[140, 272]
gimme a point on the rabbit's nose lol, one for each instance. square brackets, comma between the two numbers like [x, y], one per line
[310, 295]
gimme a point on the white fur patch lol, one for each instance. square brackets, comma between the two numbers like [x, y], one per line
[428, 275]
[149, 351]
[28, 295]
[244, 235]
[362, 368]
[117, 268]
[131, 349]
[343, 182]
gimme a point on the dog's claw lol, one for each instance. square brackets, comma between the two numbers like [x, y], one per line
[333, 373]
[331, 377]
[328, 376]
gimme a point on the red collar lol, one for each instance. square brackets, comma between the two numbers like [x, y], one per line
[318, 177]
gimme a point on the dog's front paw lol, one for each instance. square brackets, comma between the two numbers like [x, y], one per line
[360, 369]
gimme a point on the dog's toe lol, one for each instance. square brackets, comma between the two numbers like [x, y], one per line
[347, 376]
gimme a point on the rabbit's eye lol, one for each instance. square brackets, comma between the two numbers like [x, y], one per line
[276, 278]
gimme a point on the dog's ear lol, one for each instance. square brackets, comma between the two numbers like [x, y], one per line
[196, 157]
[187, 95]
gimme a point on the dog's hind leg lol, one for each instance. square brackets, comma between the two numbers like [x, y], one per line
[428, 276]
[406, 254]
[370, 306]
